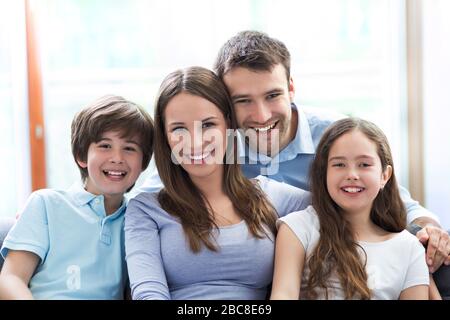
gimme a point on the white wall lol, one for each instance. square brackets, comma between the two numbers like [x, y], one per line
[436, 99]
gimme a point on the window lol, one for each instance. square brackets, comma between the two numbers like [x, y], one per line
[345, 55]
[14, 160]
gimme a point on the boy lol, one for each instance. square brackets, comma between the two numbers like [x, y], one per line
[69, 244]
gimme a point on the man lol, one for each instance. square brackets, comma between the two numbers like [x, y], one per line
[256, 71]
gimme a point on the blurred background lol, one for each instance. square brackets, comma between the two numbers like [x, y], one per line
[383, 60]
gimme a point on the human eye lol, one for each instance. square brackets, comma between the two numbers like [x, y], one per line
[242, 101]
[273, 95]
[104, 145]
[178, 129]
[338, 164]
[130, 148]
[208, 124]
[365, 164]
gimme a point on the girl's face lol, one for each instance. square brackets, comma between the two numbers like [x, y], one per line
[354, 173]
[196, 133]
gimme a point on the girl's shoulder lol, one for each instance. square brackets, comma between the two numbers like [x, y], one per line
[305, 225]
[408, 238]
[308, 213]
[303, 219]
[401, 241]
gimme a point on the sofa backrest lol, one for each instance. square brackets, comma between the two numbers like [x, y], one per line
[5, 225]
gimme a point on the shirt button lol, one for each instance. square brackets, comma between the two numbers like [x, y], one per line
[97, 201]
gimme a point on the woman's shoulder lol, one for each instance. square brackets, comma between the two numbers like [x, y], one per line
[150, 198]
[148, 203]
[145, 201]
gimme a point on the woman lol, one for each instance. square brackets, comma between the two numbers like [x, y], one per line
[209, 233]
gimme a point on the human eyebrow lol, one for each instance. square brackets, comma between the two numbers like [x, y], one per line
[176, 123]
[272, 91]
[209, 118]
[132, 142]
[365, 157]
[240, 96]
[337, 158]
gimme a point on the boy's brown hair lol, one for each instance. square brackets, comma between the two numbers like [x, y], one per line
[111, 113]
[252, 50]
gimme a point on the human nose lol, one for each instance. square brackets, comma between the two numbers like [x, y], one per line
[352, 174]
[197, 139]
[116, 156]
[261, 113]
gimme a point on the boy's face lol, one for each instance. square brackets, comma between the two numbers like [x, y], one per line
[113, 165]
[262, 101]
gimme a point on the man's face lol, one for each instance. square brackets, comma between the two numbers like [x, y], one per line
[262, 101]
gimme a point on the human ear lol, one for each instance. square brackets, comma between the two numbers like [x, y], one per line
[291, 89]
[82, 164]
[386, 175]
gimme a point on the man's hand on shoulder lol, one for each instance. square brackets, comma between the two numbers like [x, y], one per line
[437, 242]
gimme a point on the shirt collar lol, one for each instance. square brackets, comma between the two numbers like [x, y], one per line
[79, 194]
[82, 197]
[302, 143]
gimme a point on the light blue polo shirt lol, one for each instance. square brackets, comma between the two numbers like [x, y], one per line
[81, 249]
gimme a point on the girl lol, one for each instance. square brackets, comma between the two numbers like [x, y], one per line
[209, 233]
[351, 243]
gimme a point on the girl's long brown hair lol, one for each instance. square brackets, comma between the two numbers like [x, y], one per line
[337, 250]
[180, 197]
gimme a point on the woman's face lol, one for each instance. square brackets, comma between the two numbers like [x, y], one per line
[196, 132]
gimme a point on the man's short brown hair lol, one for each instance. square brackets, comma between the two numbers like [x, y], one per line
[252, 50]
[111, 113]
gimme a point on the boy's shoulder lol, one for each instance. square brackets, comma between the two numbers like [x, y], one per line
[50, 194]
[52, 198]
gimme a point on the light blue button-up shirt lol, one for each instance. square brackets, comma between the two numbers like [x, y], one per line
[291, 165]
[81, 249]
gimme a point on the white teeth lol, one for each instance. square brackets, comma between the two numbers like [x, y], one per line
[353, 190]
[199, 157]
[115, 173]
[264, 129]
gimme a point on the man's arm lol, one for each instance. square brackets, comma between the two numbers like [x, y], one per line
[432, 235]
[437, 242]
[152, 181]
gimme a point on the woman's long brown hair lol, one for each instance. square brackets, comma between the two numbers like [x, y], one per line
[337, 250]
[180, 197]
